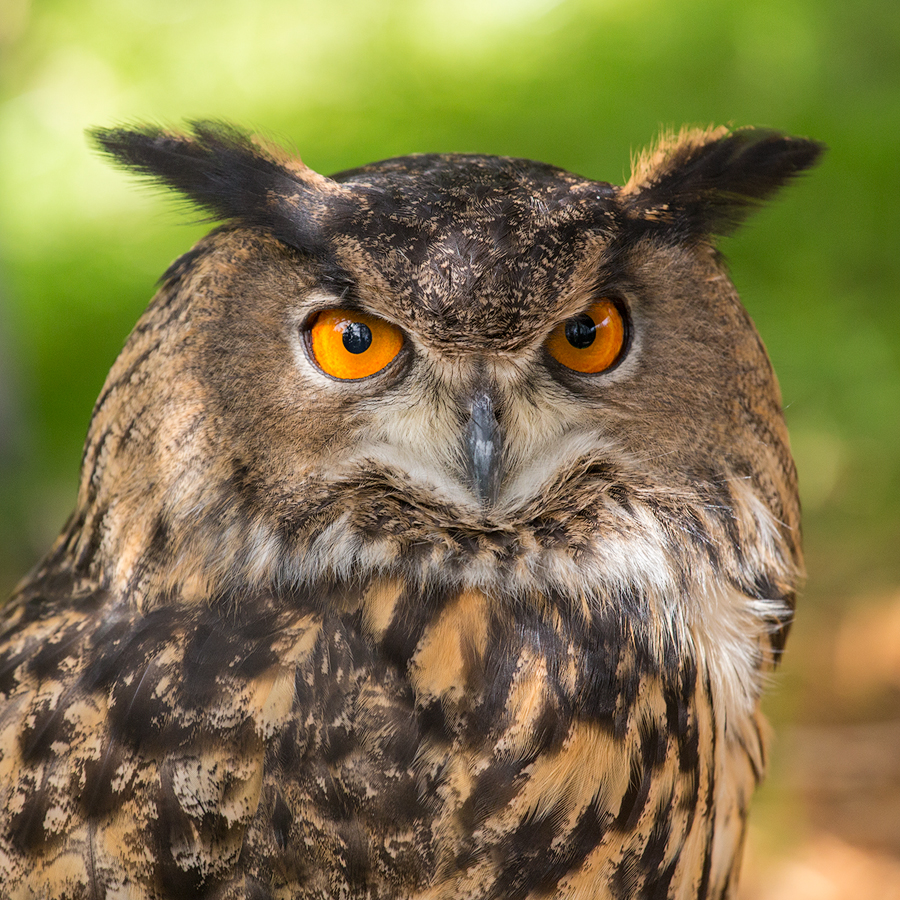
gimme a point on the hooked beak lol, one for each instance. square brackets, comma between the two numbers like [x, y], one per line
[484, 449]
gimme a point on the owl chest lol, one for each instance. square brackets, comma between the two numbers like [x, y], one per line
[520, 753]
[459, 751]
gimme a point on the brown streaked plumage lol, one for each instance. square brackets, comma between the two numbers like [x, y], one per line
[478, 624]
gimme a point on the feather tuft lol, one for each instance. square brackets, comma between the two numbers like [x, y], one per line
[706, 182]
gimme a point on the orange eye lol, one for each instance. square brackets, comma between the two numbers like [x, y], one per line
[348, 344]
[591, 341]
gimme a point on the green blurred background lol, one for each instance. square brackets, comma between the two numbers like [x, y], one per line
[576, 83]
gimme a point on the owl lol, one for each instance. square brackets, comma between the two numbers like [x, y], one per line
[437, 530]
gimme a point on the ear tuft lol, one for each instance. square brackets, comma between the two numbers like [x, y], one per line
[226, 172]
[705, 182]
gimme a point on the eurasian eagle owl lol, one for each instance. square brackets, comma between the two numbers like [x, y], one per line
[437, 525]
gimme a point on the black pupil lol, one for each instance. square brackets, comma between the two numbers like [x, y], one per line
[357, 337]
[581, 331]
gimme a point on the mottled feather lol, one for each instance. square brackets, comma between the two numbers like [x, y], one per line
[286, 648]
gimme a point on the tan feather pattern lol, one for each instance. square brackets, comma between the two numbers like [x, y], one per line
[591, 800]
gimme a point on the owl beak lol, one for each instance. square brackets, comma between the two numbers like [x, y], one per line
[484, 449]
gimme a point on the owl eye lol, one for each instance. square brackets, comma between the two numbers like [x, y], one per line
[347, 344]
[591, 341]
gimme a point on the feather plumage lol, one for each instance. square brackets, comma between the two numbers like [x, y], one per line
[287, 647]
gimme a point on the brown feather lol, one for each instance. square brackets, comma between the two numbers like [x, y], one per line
[284, 648]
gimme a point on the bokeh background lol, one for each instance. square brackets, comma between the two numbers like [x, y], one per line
[579, 84]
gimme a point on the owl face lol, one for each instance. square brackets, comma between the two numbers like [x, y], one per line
[482, 365]
[489, 419]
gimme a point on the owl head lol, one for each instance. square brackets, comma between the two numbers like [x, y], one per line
[477, 368]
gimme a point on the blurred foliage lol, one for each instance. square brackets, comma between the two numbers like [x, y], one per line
[576, 83]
